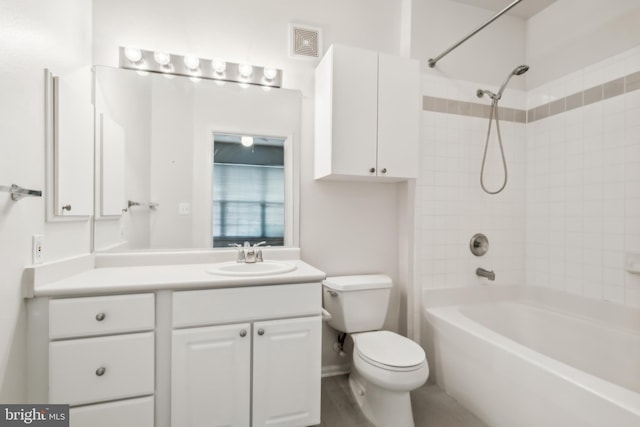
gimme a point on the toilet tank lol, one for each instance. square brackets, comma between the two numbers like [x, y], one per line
[357, 303]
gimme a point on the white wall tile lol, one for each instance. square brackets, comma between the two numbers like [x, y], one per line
[572, 205]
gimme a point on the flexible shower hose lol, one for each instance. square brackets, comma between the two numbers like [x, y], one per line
[493, 112]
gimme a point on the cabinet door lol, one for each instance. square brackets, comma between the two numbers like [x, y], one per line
[286, 372]
[211, 374]
[398, 116]
[346, 112]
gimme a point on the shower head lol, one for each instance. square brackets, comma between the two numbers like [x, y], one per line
[518, 71]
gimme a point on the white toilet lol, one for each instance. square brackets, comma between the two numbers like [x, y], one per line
[386, 366]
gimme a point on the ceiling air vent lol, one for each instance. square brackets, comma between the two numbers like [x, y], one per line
[305, 42]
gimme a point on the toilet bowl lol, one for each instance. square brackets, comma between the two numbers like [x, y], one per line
[386, 367]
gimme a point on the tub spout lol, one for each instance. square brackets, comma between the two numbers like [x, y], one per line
[486, 273]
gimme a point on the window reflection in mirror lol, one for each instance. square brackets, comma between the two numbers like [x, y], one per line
[248, 190]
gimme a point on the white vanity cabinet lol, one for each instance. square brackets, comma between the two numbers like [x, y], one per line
[367, 115]
[247, 356]
[97, 355]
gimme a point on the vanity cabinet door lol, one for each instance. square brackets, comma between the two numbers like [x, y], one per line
[211, 376]
[286, 372]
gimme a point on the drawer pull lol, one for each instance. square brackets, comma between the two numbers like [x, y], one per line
[100, 371]
[100, 317]
[261, 331]
[243, 333]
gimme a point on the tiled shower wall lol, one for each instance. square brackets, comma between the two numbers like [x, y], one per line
[583, 182]
[571, 208]
[451, 205]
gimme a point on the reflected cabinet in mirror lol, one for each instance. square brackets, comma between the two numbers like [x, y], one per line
[184, 163]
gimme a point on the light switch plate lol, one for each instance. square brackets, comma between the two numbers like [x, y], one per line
[37, 249]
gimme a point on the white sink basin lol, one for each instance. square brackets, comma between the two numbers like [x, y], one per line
[265, 268]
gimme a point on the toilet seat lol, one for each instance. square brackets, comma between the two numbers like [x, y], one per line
[388, 350]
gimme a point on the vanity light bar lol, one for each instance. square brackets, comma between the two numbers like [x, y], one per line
[195, 67]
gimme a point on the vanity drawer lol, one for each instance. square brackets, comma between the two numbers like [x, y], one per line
[80, 317]
[217, 306]
[123, 413]
[98, 369]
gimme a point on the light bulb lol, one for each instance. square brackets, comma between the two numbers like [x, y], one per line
[162, 57]
[133, 54]
[270, 73]
[245, 70]
[219, 66]
[191, 62]
[247, 141]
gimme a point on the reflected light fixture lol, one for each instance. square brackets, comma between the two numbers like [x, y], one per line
[247, 141]
[190, 65]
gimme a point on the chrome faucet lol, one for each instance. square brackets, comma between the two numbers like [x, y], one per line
[247, 253]
[485, 273]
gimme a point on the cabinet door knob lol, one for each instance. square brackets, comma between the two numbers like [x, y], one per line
[66, 208]
[260, 331]
[100, 317]
[100, 371]
[384, 170]
[372, 170]
[243, 333]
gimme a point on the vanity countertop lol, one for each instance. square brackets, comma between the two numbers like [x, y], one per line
[149, 278]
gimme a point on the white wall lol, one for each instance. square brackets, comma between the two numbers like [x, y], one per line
[572, 34]
[346, 228]
[487, 57]
[34, 35]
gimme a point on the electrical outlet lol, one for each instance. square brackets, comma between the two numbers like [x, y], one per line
[37, 248]
[184, 208]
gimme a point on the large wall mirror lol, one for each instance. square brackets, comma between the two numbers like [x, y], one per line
[183, 164]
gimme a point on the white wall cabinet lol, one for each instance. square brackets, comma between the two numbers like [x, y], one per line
[367, 115]
[262, 372]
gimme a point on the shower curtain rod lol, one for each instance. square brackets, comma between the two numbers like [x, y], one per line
[432, 61]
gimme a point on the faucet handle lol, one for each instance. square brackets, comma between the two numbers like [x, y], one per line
[259, 244]
[241, 256]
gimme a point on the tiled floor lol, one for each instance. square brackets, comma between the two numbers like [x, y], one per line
[432, 407]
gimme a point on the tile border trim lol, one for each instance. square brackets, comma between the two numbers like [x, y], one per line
[610, 89]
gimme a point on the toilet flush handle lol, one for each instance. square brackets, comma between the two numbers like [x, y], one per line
[333, 293]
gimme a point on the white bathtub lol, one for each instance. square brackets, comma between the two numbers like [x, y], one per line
[521, 356]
